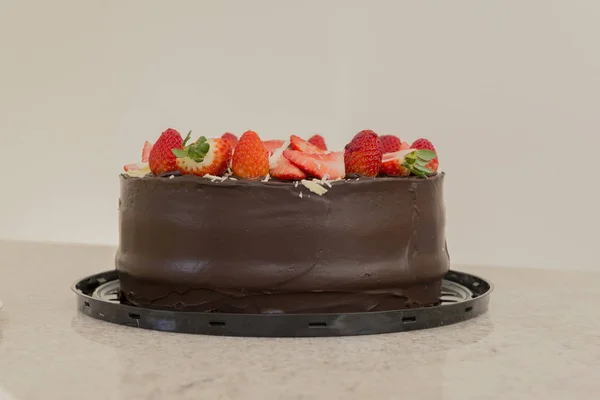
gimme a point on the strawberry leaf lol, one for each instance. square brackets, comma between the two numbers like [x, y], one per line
[179, 153]
[189, 135]
[426, 155]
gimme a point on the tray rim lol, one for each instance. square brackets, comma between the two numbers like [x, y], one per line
[473, 307]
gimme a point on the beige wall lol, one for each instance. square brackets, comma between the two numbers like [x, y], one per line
[509, 91]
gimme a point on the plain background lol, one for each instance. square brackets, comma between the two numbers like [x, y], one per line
[509, 92]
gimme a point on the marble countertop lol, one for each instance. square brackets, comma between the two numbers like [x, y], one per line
[539, 340]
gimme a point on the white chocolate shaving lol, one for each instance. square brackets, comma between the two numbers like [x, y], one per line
[266, 178]
[314, 187]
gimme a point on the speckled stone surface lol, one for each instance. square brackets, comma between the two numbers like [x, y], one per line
[540, 340]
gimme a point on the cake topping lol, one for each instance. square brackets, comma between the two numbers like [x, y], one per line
[286, 171]
[390, 143]
[318, 141]
[314, 187]
[272, 145]
[424, 144]
[146, 151]
[363, 154]
[161, 157]
[231, 139]
[297, 143]
[296, 159]
[250, 159]
[203, 157]
[318, 165]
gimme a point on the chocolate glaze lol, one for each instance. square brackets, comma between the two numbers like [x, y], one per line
[258, 247]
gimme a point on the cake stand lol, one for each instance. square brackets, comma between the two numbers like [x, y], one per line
[464, 296]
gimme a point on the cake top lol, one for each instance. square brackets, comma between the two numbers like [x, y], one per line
[295, 159]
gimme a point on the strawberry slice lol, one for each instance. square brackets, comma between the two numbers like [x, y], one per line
[204, 157]
[286, 171]
[319, 141]
[329, 166]
[146, 151]
[302, 145]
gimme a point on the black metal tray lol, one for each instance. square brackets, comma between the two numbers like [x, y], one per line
[464, 296]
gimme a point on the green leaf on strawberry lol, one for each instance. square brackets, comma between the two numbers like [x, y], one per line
[196, 151]
[416, 162]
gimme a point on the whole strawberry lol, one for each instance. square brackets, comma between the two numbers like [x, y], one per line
[250, 158]
[390, 143]
[205, 156]
[318, 141]
[363, 154]
[424, 144]
[231, 139]
[161, 158]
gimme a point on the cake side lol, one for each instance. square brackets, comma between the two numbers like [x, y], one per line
[251, 246]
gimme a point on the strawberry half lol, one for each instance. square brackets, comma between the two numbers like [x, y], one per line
[250, 158]
[329, 166]
[297, 143]
[205, 156]
[363, 154]
[424, 144]
[390, 143]
[286, 171]
[392, 164]
[231, 139]
[318, 141]
[161, 157]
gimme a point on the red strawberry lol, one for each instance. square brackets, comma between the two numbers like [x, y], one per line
[318, 141]
[329, 165]
[425, 144]
[297, 143]
[204, 157]
[146, 151]
[390, 143]
[286, 171]
[363, 154]
[161, 156]
[231, 139]
[250, 158]
[392, 163]
[272, 145]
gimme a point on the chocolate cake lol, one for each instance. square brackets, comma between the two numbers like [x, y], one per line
[228, 244]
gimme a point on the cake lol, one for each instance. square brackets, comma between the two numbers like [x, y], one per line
[253, 226]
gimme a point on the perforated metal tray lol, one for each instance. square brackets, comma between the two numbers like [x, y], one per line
[464, 296]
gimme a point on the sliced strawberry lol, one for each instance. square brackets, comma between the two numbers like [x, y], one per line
[250, 159]
[404, 146]
[392, 163]
[231, 139]
[204, 157]
[390, 143]
[363, 154]
[272, 145]
[286, 171]
[146, 151]
[318, 141]
[297, 143]
[134, 166]
[329, 166]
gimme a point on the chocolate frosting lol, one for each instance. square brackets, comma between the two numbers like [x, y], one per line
[251, 246]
